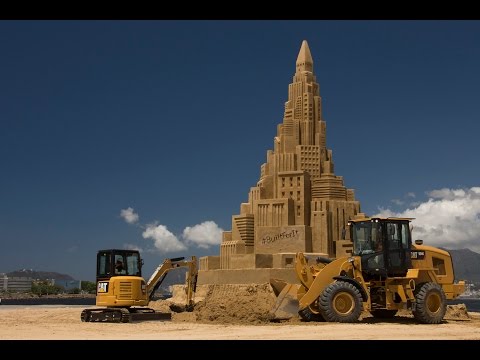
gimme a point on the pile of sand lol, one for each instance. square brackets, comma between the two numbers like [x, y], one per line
[246, 304]
[162, 306]
[457, 312]
[227, 304]
[454, 312]
[249, 303]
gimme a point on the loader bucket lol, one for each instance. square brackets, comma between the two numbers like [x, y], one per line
[286, 306]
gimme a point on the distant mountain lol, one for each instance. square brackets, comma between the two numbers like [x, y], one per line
[466, 264]
[39, 275]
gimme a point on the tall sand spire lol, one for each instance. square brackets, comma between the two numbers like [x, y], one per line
[304, 58]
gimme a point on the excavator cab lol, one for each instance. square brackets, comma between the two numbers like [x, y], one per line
[384, 245]
[117, 263]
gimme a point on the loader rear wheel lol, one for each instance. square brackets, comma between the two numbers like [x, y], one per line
[340, 302]
[383, 313]
[430, 304]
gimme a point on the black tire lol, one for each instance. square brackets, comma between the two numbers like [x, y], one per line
[430, 304]
[308, 315]
[85, 316]
[341, 302]
[383, 313]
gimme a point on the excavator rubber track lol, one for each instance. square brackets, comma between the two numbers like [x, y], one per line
[122, 315]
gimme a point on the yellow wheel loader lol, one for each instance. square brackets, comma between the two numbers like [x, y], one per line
[123, 294]
[385, 273]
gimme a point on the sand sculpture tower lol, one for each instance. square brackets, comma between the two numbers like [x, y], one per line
[298, 204]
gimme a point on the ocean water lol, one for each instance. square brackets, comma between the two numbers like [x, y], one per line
[49, 301]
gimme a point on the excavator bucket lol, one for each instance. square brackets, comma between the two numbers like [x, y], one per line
[286, 306]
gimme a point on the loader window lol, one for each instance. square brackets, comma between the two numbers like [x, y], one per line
[398, 246]
[383, 244]
[398, 235]
[393, 236]
[367, 237]
[405, 236]
[394, 245]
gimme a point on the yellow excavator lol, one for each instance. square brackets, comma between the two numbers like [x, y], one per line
[386, 273]
[122, 293]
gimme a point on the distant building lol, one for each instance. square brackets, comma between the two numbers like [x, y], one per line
[68, 285]
[15, 284]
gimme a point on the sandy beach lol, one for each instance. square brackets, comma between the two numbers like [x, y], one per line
[63, 323]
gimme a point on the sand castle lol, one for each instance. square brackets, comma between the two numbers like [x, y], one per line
[298, 204]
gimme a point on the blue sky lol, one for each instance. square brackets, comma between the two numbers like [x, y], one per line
[173, 119]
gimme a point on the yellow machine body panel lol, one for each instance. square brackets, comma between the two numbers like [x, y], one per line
[437, 266]
[122, 291]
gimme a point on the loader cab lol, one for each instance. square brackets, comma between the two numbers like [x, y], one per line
[383, 245]
[117, 262]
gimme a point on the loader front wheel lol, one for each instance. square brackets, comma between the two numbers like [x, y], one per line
[430, 304]
[340, 302]
[308, 315]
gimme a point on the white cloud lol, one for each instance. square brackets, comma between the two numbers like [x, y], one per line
[129, 215]
[410, 194]
[132, 247]
[397, 202]
[163, 239]
[203, 235]
[448, 194]
[449, 218]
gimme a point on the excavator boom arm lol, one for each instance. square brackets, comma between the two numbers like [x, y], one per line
[161, 271]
